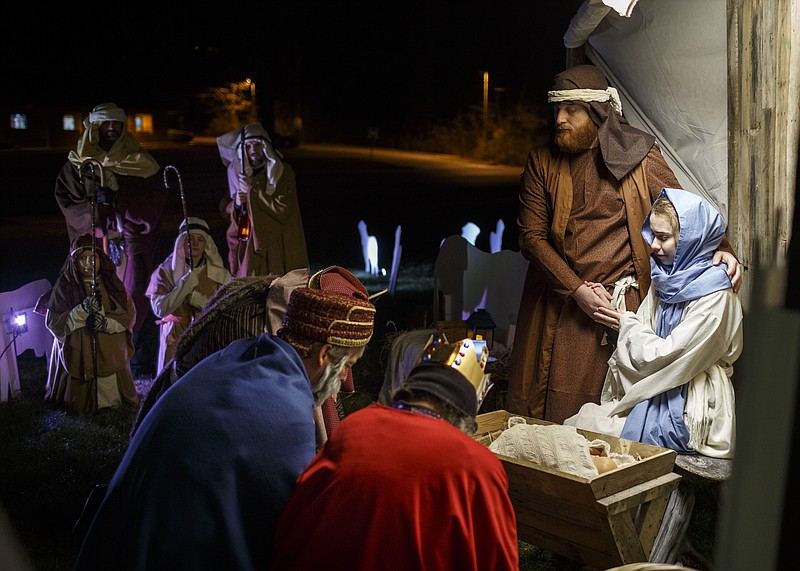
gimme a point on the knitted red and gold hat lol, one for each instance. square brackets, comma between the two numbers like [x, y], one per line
[338, 279]
[315, 315]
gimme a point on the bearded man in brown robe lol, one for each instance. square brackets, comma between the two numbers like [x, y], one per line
[583, 200]
[129, 201]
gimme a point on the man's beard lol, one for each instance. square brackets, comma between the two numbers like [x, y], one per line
[106, 141]
[577, 140]
[328, 383]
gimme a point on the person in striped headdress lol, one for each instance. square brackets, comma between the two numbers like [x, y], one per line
[247, 307]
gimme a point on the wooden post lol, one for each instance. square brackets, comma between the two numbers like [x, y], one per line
[763, 63]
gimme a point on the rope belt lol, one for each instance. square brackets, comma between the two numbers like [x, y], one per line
[621, 287]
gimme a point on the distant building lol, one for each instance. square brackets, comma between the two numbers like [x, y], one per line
[38, 126]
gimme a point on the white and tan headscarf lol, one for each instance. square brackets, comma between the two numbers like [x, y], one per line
[126, 157]
[622, 146]
[231, 150]
[215, 269]
[610, 94]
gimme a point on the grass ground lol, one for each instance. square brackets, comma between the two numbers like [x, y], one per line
[50, 460]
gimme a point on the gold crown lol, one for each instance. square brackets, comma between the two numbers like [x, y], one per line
[462, 357]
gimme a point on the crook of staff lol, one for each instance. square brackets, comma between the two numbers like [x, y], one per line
[183, 204]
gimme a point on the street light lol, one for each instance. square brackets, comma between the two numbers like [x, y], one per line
[485, 109]
[252, 85]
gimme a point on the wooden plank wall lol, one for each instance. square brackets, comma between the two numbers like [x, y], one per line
[763, 57]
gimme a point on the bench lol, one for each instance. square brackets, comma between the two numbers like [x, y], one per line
[673, 542]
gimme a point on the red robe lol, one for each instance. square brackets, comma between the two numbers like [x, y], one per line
[412, 491]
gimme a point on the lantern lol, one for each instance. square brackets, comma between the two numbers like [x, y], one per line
[480, 325]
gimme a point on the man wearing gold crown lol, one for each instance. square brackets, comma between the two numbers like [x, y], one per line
[410, 470]
[213, 463]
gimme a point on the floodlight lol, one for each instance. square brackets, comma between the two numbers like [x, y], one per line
[17, 323]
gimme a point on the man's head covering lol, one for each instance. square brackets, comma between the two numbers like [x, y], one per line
[692, 274]
[125, 157]
[232, 153]
[452, 372]
[108, 112]
[340, 313]
[332, 278]
[215, 269]
[338, 279]
[622, 146]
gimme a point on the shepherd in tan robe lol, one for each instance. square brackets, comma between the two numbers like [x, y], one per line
[265, 232]
[179, 291]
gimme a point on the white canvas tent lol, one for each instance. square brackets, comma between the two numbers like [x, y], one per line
[709, 93]
[668, 60]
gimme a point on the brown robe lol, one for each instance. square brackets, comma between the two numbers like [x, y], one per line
[557, 361]
[71, 379]
[139, 204]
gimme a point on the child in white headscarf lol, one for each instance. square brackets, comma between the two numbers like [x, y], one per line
[181, 285]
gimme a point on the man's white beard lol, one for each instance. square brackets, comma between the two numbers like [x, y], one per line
[328, 383]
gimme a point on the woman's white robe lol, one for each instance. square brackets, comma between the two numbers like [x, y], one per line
[700, 350]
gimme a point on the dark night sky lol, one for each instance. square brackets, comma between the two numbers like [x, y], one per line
[373, 62]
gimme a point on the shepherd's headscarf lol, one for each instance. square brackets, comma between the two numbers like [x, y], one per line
[622, 146]
[232, 153]
[126, 157]
[215, 269]
[70, 290]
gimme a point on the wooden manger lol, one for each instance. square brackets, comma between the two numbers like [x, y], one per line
[608, 520]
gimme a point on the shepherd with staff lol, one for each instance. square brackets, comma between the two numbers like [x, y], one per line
[91, 316]
[265, 233]
[182, 285]
[129, 206]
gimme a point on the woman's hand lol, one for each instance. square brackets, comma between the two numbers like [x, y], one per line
[607, 316]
